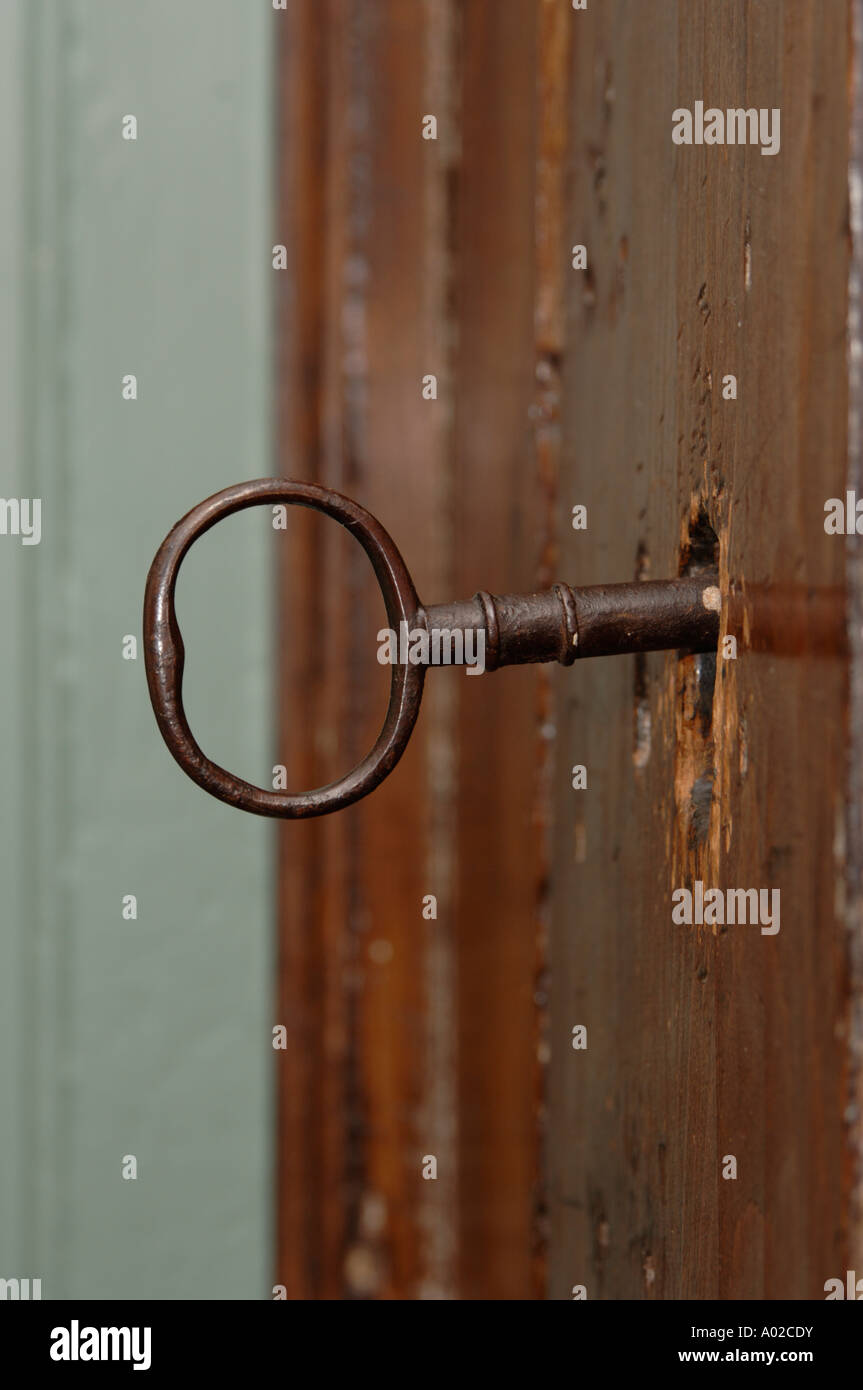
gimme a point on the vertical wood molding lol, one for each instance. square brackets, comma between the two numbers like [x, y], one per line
[854, 828]
[409, 258]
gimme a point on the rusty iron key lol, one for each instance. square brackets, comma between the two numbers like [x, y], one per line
[560, 624]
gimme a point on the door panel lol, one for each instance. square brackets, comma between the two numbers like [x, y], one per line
[703, 1042]
[607, 386]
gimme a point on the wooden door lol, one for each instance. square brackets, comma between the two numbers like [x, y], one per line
[716, 1043]
[686, 382]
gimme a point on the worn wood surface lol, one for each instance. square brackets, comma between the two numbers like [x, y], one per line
[854, 612]
[556, 386]
[705, 261]
[409, 1037]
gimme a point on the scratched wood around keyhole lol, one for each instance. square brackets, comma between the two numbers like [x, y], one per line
[704, 262]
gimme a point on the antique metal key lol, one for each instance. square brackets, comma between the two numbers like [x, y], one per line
[561, 624]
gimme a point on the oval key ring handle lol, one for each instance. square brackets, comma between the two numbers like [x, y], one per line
[164, 654]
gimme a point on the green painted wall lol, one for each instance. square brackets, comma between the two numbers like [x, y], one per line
[147, 1037]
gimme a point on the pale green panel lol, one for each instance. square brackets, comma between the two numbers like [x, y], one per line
[16, 565]
[147, 1037]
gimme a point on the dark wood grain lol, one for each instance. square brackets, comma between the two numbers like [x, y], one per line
[408, 1036]
[557, 386]
[854, 616]
[704, 261]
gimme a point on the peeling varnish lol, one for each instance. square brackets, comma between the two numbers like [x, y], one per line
[726, 722]
[706, 760]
